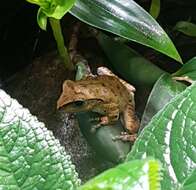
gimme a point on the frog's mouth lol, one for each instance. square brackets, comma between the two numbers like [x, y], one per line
[81, 105]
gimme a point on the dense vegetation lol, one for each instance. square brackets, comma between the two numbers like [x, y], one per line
[157, 59]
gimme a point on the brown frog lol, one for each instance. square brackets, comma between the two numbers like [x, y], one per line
[105, 94]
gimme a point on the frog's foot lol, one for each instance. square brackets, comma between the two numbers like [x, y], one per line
[126, 137]
[184, 78]
[104, 120]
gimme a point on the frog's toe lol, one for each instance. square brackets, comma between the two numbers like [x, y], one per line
[124, 136]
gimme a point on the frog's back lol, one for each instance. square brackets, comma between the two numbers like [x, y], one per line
[117, 89]
[105, 87]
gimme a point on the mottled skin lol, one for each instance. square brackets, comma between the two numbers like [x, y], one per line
[105, 94]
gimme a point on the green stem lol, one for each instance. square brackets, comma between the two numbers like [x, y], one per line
[56, 27]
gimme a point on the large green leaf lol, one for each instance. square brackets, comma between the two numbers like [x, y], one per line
[163, 91]
[170, 137]
[127, 19]
[30, 156]
[134, 175]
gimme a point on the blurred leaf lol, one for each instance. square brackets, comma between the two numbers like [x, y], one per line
[163, 91]
[102, 141]
[155, 8]
[187, 28]
[30, 156]
[170, 138]
[127, 19]
[127, 62]
[188, 69]
[134, 175]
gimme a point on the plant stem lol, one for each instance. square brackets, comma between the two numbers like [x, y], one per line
[56, 28]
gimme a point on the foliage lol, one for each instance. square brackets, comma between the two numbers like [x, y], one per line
[155, 8]
[55, 10]
[147, 174]
[127, 19]
[186, 28]
[31, 158]
[189, 69]
[124, 59]
[51, 8]
[169, 137]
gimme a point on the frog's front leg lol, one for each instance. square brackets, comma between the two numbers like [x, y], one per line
[109, 112]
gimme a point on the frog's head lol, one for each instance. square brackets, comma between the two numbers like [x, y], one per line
[76, 97]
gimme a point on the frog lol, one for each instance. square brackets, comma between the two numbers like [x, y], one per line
[106, 94]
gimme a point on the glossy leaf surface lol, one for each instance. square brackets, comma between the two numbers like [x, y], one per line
[170, 137]
[127, 19]
[163, 91]
[30, 156]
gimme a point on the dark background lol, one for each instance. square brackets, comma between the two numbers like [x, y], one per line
[21, 39]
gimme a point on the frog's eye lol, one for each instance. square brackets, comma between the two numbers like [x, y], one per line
[79, 103]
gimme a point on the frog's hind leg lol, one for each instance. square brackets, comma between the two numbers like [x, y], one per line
[131, 124]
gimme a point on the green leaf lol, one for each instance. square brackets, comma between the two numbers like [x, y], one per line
[186, 28]
[155, 8]
[163, 91]
[30, 156]
[170, 137]
[127, 62]
[54, 8]
[127, 19]
[102, 141]
[41, 19]
[188, 69]
[137, 174]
